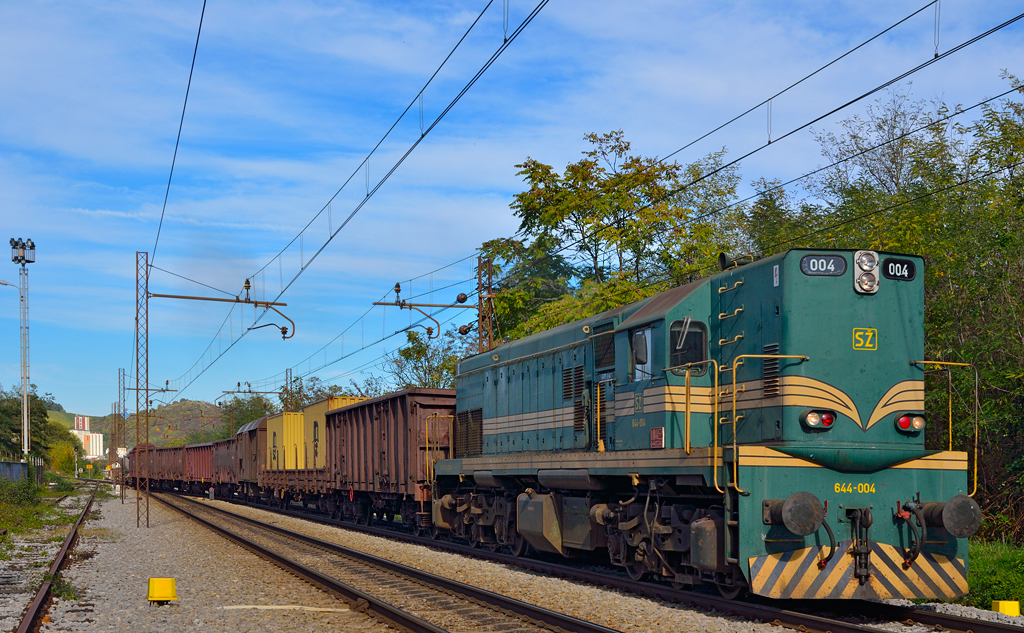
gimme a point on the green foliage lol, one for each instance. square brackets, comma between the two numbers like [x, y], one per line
[10, 423]
[996, 573]
[62, 456]
[301, 393]
[613, 227]
[425, 362]
[23, 492]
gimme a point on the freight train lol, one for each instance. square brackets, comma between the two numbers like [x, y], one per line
[760, 430]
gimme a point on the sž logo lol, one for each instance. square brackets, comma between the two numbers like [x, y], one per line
[865, 338]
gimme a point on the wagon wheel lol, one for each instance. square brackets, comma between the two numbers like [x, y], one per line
[681, 586]
[367, 517]
[434, 532]
[475, 538]
[519, 546]
[636, 569]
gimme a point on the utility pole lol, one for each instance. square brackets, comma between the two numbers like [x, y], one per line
[141, 385]
[24, 253]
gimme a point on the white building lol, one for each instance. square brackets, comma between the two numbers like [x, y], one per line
[91, 441]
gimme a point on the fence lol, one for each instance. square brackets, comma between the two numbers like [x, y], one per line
[19, 470]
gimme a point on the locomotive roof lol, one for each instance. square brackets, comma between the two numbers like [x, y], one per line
[658, 306]
[565, 334]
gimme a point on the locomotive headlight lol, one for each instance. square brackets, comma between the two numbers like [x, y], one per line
[867, 282]
[818, 420]
[917, 422]
[867, 260]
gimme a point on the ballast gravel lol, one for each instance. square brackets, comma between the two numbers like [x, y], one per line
[610, 608]
[221, 587]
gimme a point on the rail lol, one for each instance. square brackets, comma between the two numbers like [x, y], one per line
[35, 609]
[552, 619]
[772, 613]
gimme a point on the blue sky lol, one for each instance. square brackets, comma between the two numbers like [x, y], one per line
[288, 97]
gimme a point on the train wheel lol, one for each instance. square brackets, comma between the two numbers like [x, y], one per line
[475, 539]
[519, 546]
[730, 592]
[434, 532]
[637, 569]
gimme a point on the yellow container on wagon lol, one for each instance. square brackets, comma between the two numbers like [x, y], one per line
[314, 429]
[284, 441]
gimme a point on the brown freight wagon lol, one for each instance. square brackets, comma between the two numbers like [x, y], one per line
[198, 467]
[252, 457]
[225, 465]
[168, 467]
[381, 452]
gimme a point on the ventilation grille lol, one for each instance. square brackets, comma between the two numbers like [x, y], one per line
[469, 433]
[606, 412]
[771, 371]
[604, 346]
[572, 387]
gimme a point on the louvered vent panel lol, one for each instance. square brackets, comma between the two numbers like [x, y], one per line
[475, 441]
[771, 371]
[567, 391]
[577, 381]
[462, 434]
[579, 419]
[604, 351]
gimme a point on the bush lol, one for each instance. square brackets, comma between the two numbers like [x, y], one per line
[996, 573]
[22, 492]
[62, 485]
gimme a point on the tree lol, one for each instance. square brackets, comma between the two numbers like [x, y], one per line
[425, 362]
[613, 227]
[244, 408]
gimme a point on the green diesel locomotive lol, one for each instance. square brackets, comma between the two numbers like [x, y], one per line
[761, 430]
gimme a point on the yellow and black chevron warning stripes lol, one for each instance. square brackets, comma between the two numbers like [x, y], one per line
[795, 574]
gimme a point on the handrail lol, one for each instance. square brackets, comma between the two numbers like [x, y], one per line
[722, 290]
[600, 440]
[714, 414]
[736, 362]
[977, 406]
[722, 316]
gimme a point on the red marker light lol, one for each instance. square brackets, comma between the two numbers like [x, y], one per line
[827, 420]
[904, 423]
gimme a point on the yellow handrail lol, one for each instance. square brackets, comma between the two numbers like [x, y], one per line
[736, 362]
[600, 440]
[977, 405]
[714, 415]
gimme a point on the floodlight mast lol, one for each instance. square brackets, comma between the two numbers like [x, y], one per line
[23, 252]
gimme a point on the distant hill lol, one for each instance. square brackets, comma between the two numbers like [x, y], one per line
[170, 424]
[65, 418]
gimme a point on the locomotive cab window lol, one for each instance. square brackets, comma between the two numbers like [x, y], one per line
[640, 346]
[688, 340]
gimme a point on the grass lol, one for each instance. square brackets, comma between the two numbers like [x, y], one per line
[996, 573]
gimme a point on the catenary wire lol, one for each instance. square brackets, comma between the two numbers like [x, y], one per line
[504, 46]
[181, 123]
[192, 280]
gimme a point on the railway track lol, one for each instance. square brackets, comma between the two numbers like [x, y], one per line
[409, 598]
[30, 620]
[789, 614]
